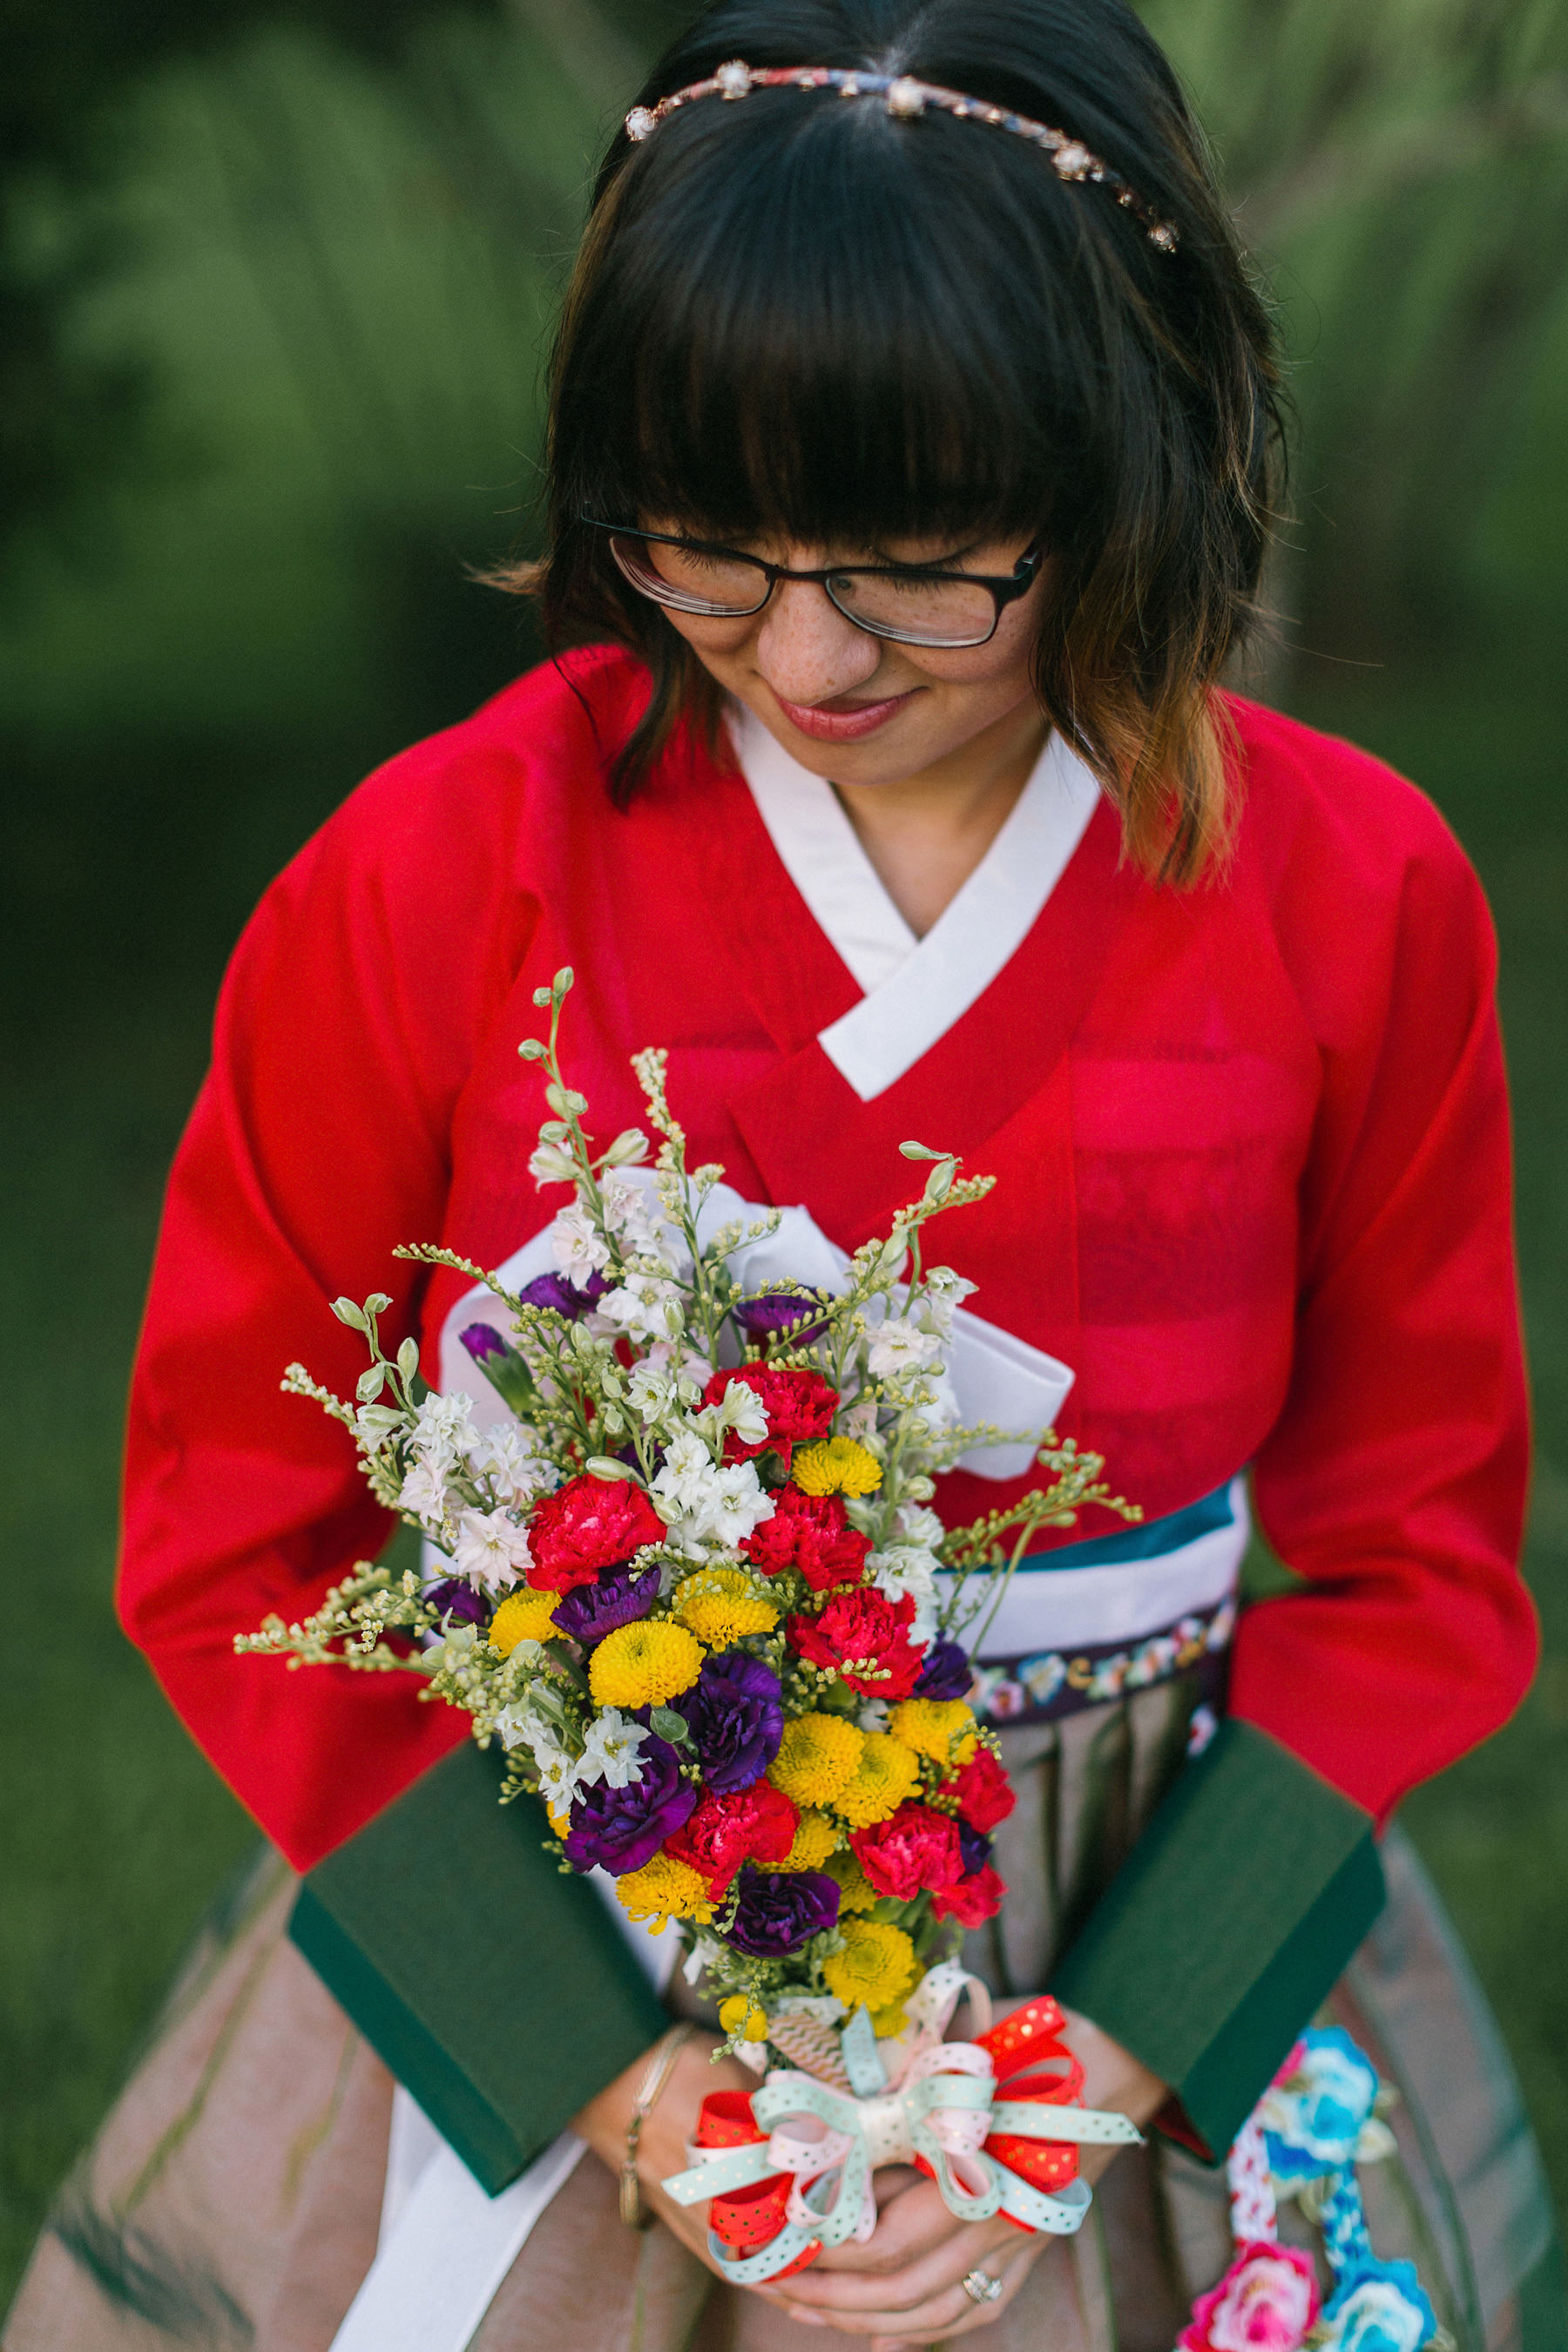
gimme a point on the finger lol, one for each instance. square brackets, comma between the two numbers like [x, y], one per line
[948, 2313]
[907, 2285]
[906, 2227]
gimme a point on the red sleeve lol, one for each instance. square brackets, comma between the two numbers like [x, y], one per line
[1395, 1481]
[347, 1028]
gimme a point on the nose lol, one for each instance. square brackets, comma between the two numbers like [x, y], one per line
[806, 650]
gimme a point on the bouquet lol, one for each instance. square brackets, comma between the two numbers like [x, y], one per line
[691, 1581]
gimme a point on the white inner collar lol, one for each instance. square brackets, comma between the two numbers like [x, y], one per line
[914, 989]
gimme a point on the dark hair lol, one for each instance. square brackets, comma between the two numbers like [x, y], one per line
[794, 314]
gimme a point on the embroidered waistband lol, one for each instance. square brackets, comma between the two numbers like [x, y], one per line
[1050, 1684]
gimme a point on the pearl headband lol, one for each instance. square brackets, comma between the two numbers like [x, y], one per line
[906, 98]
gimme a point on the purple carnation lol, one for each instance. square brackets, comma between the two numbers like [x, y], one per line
[946, 1673]
[620, 1829]
[974, 1846]
[455, 1599]
[483, 1342]
[566, 1298]
[777, 1311]
[780, 1910]
[736, 1718]
[591, 1610]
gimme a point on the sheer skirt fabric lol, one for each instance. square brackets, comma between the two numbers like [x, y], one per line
[232, 2199]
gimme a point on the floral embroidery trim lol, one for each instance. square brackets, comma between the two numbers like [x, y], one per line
[1047, 1683]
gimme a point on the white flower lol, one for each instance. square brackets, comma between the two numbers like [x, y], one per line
[651, 1386]
[944, 1290]
[505, 1455]
[909, 1569]
[444, 1429]
[491, 1550]
[740, 1409]
[559, 1778]
[576, 1244]
[873, 1716]
[610, 1750]
[551, 1165]
[631, 1213]
[517, 1723]
[423, 1492]
[683, 1475]
[899, 1346]
[704, 1952]
[628, 1148]
[700, 1503]
[919, 1525]
[646, 1307]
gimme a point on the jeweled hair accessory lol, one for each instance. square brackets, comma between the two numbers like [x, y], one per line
[905, 97]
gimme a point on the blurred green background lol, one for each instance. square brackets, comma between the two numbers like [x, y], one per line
[276, 283]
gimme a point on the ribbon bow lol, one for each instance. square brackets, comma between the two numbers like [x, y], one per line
[809, 2151]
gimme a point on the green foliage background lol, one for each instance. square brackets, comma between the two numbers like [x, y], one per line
[275, 286]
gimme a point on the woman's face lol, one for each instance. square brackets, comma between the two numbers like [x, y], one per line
[857, 708]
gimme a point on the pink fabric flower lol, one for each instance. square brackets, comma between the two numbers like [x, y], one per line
[1266, 2303]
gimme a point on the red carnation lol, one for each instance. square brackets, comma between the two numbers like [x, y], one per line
[984, 1792]
[586, 1526]
[811, 1533]
[798, 1403]
[755, 1824]
[865, 1638]
[915, 1847]
[973, 1900]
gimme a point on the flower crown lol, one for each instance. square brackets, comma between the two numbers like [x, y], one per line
[907, 98]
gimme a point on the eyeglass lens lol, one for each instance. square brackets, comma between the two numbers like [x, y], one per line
[920, 612]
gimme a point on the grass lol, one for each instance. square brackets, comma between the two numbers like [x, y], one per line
[114, 1833]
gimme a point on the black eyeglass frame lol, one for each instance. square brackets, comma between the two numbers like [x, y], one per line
[1003, 591]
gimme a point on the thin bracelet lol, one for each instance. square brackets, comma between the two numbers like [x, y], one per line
[634, 2213]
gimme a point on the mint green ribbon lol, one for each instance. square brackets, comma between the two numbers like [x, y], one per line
[937, 2115]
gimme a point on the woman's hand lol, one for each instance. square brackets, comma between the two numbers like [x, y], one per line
[902, 2288]
[661, 2147]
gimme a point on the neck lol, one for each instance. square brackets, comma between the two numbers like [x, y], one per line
[926, 833]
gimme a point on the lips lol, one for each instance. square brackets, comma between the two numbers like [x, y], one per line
[840, 721]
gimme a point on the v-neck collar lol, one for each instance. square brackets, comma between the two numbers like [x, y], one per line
[913, 990]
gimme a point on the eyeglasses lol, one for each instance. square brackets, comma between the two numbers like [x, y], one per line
[910, 604]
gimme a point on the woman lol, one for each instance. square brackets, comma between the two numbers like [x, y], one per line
[908, 475]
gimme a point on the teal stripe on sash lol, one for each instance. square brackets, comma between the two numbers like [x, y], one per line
[1151, 1539]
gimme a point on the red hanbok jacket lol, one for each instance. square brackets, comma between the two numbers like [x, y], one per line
[1253, 1148]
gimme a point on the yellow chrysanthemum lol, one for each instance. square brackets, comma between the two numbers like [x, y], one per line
[813, 1842]
[558, 1822]
[931, 1725]
[720, 1604]
[889, 2021]
[964, 1752]
[876, 1967]
[856, 1892]
[644, 1665]
[835, 1466]
[524, 1615]
[817, 1757]
[663, 1890]
[742, 2018]
[887, 1774]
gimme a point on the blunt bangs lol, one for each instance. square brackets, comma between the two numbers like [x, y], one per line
[834, 358]
[798, 318]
